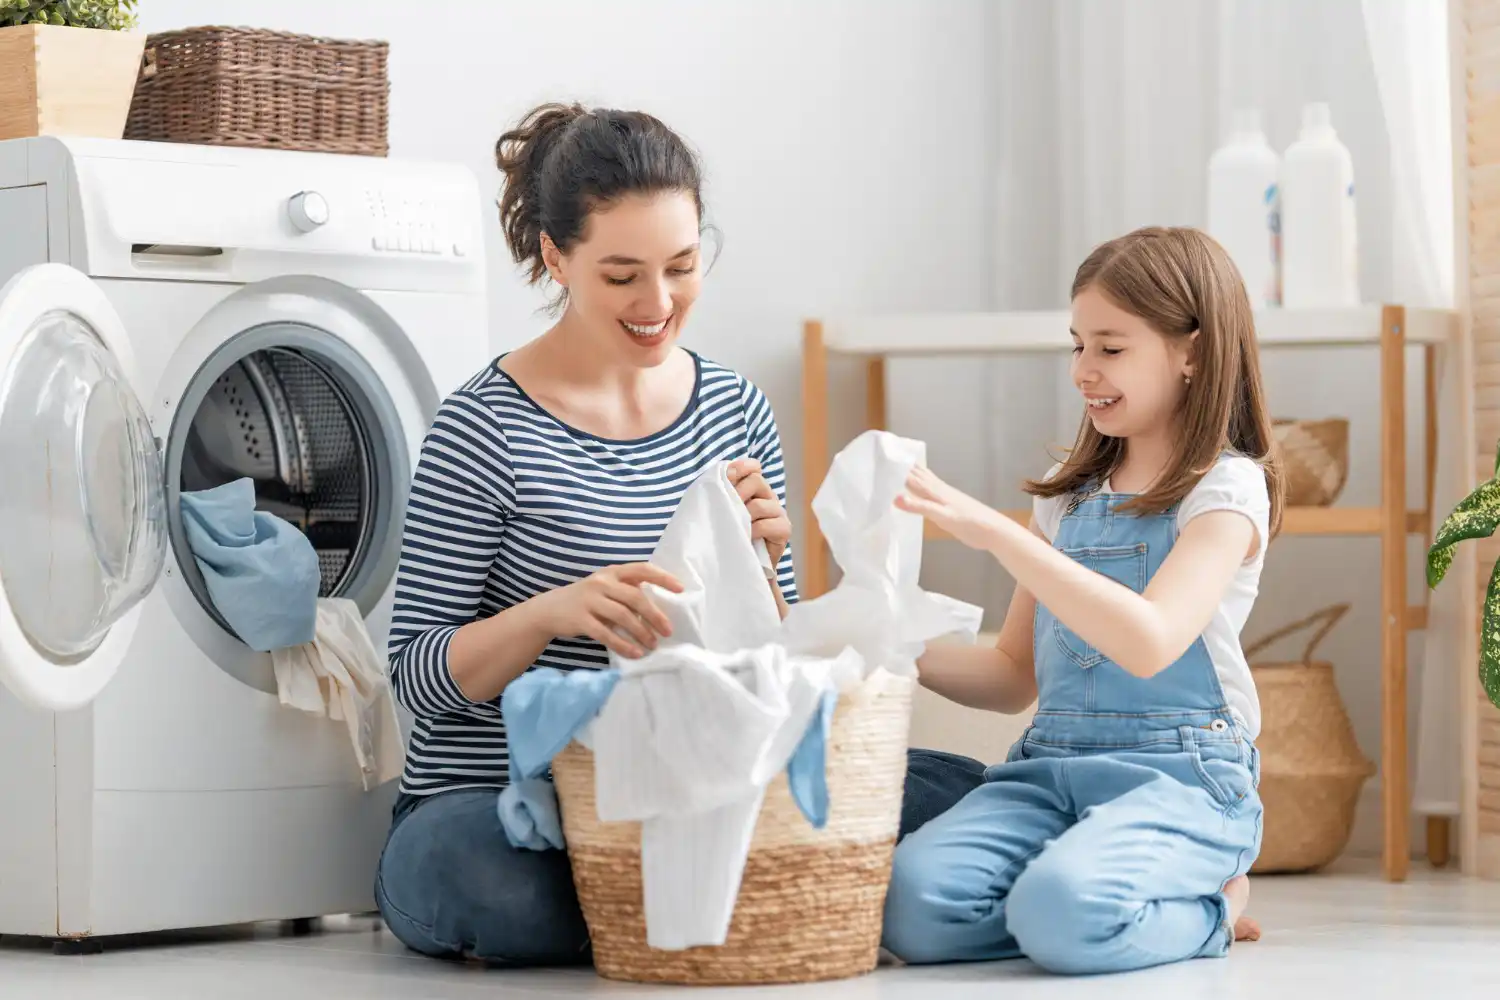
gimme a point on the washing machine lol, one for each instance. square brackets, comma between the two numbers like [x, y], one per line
[176, 317]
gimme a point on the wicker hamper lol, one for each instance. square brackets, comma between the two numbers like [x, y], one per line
[1312, 769]
[1315, 458]
[269, 89]
[810, 905]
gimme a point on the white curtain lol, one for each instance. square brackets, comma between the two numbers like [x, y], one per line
[1408, 42]
[1108, 113]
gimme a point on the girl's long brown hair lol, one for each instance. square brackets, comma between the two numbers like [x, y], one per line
[1180, 281]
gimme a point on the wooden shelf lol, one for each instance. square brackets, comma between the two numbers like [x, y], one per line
[1294, 521]
[1046, 332]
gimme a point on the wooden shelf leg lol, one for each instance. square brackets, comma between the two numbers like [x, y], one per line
[814, 552]
[1438, 833]
[1396, 803]
[876, 414]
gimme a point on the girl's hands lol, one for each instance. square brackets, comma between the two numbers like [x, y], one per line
[957, 513]
[768, 521]
[611, 608]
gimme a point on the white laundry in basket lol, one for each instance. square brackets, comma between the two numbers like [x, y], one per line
[694, 731]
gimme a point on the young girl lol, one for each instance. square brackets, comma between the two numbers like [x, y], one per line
[1118, 832]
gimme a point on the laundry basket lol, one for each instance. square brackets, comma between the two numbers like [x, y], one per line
[1312, 769]
[811, 901]
[223, 86]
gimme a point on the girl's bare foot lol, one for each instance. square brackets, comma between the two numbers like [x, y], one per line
[1237, 895]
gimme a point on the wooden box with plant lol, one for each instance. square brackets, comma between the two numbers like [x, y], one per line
[67, 67]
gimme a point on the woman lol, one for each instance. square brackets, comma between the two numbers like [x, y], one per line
[541, 491]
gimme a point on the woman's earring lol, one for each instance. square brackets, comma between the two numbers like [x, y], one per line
[1187, 380]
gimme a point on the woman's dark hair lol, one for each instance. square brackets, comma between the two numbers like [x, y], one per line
[564, 161]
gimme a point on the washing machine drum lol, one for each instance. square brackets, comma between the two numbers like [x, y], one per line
[280, 418]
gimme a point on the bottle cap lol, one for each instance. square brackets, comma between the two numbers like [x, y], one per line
[1316, 118]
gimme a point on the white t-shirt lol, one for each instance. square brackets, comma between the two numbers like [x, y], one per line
[1234, 483]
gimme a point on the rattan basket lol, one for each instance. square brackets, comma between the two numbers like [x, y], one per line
[811, 901]
[1312, 769]
[1315, 458]
[268, 89]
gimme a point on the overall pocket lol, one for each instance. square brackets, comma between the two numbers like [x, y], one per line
[1125, 564]
[1227, 771]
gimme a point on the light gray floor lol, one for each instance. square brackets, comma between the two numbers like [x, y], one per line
[1344, 936]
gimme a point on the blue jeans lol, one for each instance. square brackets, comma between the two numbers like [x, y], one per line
[450, 885]
[1084, 864]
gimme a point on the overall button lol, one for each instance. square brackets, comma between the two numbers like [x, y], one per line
[1219, 726]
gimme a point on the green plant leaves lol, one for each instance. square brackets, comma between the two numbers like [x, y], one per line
[1475, 516]
[108, 15]
[1489, 641]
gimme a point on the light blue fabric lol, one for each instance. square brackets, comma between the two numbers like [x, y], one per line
[528, 812]
[542, 710]
[1104, 841]
[545, 707]
[261, 572]
[807, 771]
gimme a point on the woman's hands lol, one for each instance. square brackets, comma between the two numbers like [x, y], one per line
[610, 607]
[957, 513]
[768, 521]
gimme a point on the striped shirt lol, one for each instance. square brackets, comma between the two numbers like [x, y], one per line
[509, 502]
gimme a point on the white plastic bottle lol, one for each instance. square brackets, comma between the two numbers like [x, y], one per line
[1243, 206]
[1319, 245]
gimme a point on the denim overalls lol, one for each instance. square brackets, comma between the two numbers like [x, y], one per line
[1102, 843]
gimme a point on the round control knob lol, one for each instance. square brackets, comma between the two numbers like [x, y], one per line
[308, 210]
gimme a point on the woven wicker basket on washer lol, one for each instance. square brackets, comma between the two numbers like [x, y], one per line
[267, 89]
[1312, 769]
[1315, 458]
[810, 904]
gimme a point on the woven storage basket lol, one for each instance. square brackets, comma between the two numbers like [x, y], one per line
[1312, 769]
[811, 901]
[1315, 457]
[268, 89]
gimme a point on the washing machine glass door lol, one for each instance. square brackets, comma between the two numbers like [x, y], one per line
[82, 509]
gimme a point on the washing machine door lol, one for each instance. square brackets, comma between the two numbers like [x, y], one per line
[82, 509]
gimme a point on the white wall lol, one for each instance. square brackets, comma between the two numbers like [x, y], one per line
[923, 155]
[847, 147]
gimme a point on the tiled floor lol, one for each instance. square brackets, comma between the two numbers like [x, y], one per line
[1342, 935]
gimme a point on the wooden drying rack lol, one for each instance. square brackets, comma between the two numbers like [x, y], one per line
[874, 339]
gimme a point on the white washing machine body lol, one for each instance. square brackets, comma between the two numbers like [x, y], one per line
[291, 317]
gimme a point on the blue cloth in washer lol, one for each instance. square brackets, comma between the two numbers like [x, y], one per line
[261, 572]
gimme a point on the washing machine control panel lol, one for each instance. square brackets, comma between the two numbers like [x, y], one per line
[402, 223]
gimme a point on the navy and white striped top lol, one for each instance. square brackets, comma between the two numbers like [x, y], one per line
[509, 502]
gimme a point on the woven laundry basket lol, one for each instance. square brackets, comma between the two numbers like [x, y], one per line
[1312, 769]
[811, 901]
[252, 87]
[1315, 457]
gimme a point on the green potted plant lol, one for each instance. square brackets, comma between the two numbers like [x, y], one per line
[1475, 516]
[67, 67]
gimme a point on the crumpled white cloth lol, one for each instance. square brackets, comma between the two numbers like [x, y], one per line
[695, 730]
[878, 607]
[339, 675]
